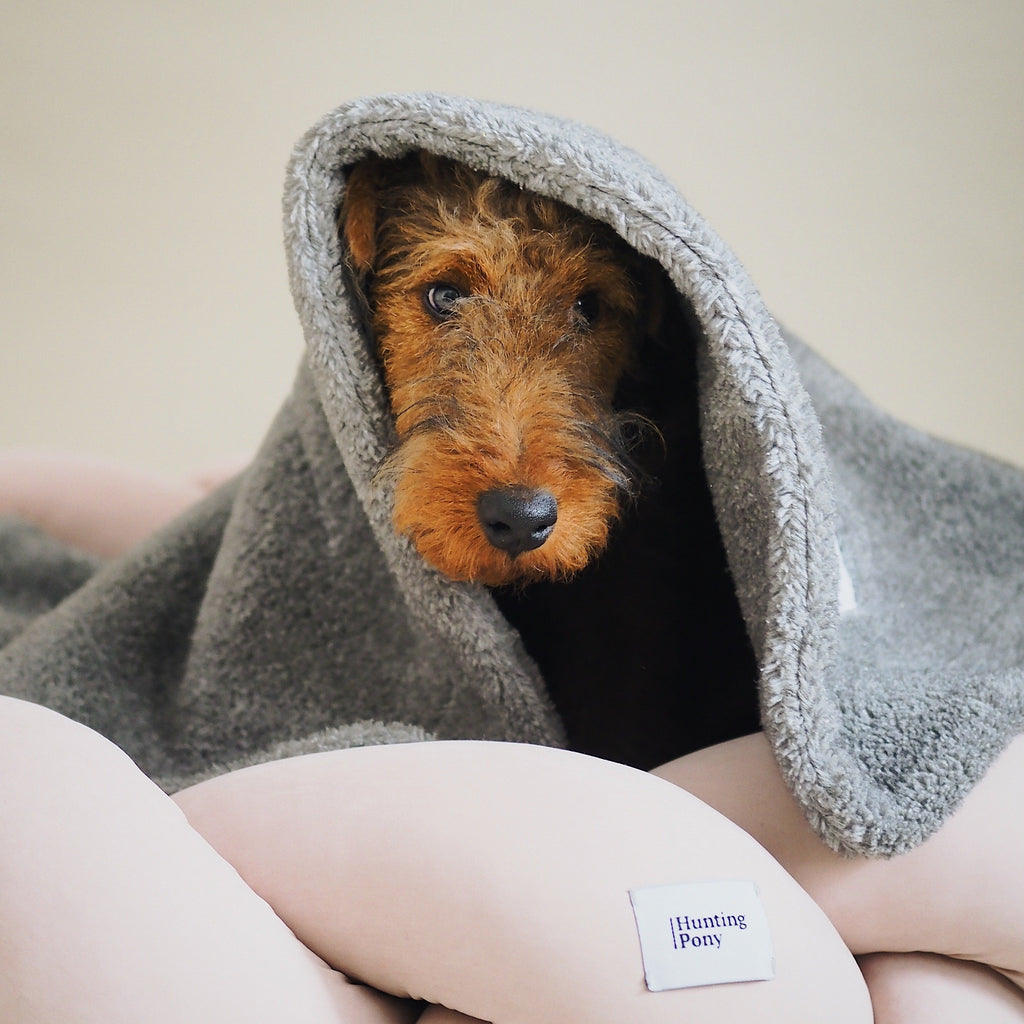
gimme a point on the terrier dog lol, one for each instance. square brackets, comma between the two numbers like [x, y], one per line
[521, 347]
[504, 322]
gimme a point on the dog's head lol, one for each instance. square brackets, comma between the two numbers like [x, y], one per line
[504, 322]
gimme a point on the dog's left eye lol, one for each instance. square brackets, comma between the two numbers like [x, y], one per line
[587, 307]
[442, 300]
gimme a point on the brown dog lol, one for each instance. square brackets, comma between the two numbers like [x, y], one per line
[536, 367]
[504, 322]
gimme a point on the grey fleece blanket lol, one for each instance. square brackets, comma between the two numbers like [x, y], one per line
[879, 573]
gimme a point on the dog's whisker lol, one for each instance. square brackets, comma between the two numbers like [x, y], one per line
[633, 430]
[437, 424]
[412, 407]
[567, 340]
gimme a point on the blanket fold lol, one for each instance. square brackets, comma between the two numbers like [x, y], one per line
[879, 572]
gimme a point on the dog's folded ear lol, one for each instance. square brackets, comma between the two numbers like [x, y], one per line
[357, 221]
[370, 195]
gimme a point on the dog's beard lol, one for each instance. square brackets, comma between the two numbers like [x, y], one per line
[451, 455]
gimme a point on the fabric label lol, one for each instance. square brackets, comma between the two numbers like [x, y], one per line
[702, 933]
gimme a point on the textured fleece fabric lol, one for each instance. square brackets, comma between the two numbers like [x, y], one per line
[880, 573]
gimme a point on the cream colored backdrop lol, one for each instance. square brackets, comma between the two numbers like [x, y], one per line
[863, 159]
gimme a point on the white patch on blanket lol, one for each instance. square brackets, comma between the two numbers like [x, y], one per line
[847, 597]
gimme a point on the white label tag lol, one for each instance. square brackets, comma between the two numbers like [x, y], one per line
[702, 933]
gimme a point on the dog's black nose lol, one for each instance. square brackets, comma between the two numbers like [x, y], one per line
[517, 519]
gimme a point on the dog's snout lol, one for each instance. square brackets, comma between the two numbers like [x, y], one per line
[517, 519]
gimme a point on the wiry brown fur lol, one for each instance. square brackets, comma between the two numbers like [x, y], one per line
[515, 387]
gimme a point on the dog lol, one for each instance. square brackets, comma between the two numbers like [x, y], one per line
[504, 322]
[547, 446]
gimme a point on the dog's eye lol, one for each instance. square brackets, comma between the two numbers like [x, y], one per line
[442, 299]
[587, 307]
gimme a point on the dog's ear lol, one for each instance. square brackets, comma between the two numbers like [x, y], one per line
[358, 218]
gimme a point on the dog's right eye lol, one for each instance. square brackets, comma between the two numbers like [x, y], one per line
[587, 307]
[442, 300]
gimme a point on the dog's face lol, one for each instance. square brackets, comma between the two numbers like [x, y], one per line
[504, 322]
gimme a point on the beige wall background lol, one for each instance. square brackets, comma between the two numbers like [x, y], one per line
[863, 159]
